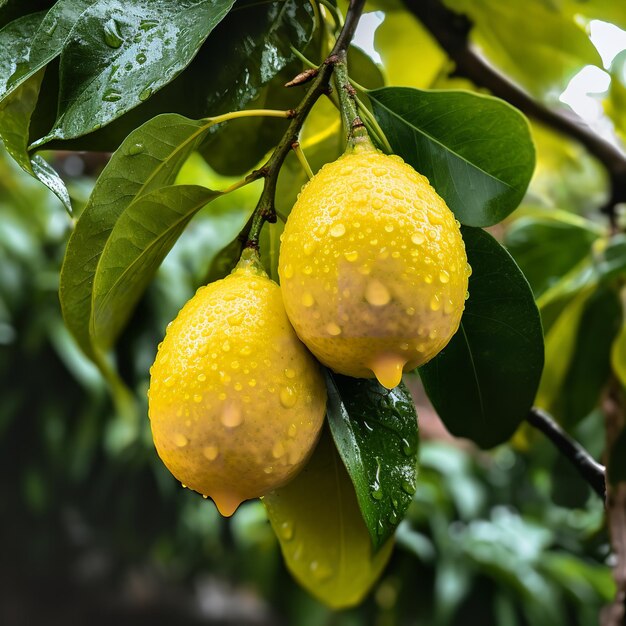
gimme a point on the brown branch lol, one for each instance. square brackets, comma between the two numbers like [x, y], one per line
[452, 30]
[590, 470]
[265, 210]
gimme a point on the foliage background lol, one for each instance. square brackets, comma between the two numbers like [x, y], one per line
[94, 528]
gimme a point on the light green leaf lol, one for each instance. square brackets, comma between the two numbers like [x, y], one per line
[322, 534]
[138, 243]
[149, 158]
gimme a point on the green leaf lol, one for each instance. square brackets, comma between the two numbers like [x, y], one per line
[11, 10]
[546, 248]
[476, 150]
[618, 356]
[48, 41]
[322, 535]
[138, 243]
[589, 368]
[17, 109]
[363, 69]
[118, 54]
[484, 381]
[560, 344]
[149, 158]
[375, 431]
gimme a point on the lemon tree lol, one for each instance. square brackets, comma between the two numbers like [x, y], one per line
[318, 304]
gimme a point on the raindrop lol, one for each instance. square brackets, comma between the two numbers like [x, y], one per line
[444, 277]
[307, 299]
[210, 452]
[180, 440]
[351, 256]
[286, 530]
[288, 397]
[292, 430]
[135, 149]
[141, 58]
[320, 571]
[290, 373]
[408, 487]
[288, 271]
[112, 35]
[231, 415]
[145, 94]
[376, 293]
[435, 303]
[333, 329]
[111, 95]
[278, 450]
[338, 230]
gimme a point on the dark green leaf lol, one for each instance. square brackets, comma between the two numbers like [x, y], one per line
[15, 45]
[119, 53]
[484, 381]
[546, 249]
[375, 430]
[321, 531]
[11, 10]
[590, 365]
[476, 150]
[224, 261]
[138, 243]
[48, 41]
[16, 110]
[149, 158]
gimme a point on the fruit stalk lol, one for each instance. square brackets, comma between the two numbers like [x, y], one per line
[355, 129]
[265, 210]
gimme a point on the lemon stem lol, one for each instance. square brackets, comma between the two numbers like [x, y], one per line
[356, 133]
[265, 210]
[297, 150]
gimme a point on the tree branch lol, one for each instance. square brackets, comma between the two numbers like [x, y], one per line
[452, 30]
[265, 210]
[590, 470]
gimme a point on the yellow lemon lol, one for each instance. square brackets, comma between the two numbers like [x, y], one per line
[373, 267]
[236, 401]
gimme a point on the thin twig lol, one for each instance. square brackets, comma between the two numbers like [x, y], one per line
[590, 470]
[265, 210]
[452, 30]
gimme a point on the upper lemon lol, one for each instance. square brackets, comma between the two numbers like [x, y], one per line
[373, 268]
[236, 401]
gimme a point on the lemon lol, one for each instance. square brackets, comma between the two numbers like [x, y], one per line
[236, 401]
[373, 267]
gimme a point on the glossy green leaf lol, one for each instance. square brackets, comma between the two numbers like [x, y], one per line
[48, 41]
[484, 381]
[534, 42]
[546, 248]
[137, 244]
[17, 108]
[475, 150]
[149, 158]
[375, 431]
[322, 535]
[119, 53]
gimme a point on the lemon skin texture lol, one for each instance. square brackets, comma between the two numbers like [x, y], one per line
[236, 401]
[373, 267]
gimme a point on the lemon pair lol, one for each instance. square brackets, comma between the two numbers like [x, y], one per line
[373, 280]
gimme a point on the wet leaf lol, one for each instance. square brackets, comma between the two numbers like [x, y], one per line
[375, 431]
